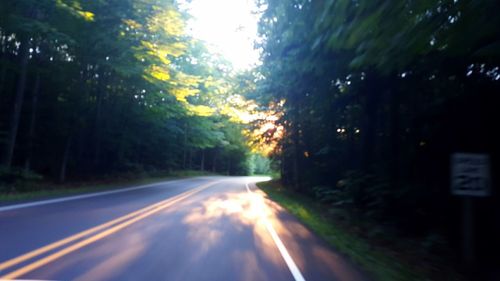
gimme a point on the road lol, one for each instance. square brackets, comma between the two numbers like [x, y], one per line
[206, 228]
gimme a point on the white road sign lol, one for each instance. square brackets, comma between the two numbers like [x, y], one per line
[470, 174]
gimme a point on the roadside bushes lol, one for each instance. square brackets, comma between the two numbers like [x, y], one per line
[17, 179]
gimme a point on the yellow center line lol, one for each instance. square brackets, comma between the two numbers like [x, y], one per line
[148, 211]
[42, 250]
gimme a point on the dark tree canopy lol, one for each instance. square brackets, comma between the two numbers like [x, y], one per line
[375, 97]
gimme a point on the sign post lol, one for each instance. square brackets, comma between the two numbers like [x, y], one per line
[470, 177]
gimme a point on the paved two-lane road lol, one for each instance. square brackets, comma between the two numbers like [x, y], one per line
[207, 228]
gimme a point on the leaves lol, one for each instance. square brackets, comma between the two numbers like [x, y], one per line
[384, 88]
[126, 86]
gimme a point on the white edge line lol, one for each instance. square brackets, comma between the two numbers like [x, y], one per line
[297, 275]
[76, 197]
[27, 280]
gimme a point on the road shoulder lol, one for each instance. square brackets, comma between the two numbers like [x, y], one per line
[374, 260]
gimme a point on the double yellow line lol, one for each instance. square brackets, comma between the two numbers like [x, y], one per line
[108, 229]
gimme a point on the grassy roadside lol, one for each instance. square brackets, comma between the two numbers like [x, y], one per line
[376, 261]
[44, 190]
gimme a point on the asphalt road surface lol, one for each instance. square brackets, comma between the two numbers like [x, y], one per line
[206, 228]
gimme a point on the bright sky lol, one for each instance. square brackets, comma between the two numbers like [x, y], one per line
[229, 28]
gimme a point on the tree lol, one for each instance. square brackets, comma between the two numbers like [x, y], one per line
[121, 88]
[375, 95]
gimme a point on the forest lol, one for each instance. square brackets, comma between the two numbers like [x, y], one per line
[374, 98]
[93, 88]
[357, 105]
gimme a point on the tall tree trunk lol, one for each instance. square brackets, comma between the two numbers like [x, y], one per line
[369, 139]
[84, 137]
[98, 120]
[3, 75]
[296, 150]
[81, 145]
[184, 153]
[31, 130]
[283, 168]
[190, 159]
[214, 161]
[295, 165]
[65, 158]
[18, 103]
[394, 138]
[202, 164]
[3, 65]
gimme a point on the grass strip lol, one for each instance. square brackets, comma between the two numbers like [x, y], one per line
[48, 191]
[375, 262]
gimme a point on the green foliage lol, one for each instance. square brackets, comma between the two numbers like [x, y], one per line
[43, 190]
[123, 88]
[388, 89]
[259, 165]
[378, 262]
[17, 180]
[358, 191]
